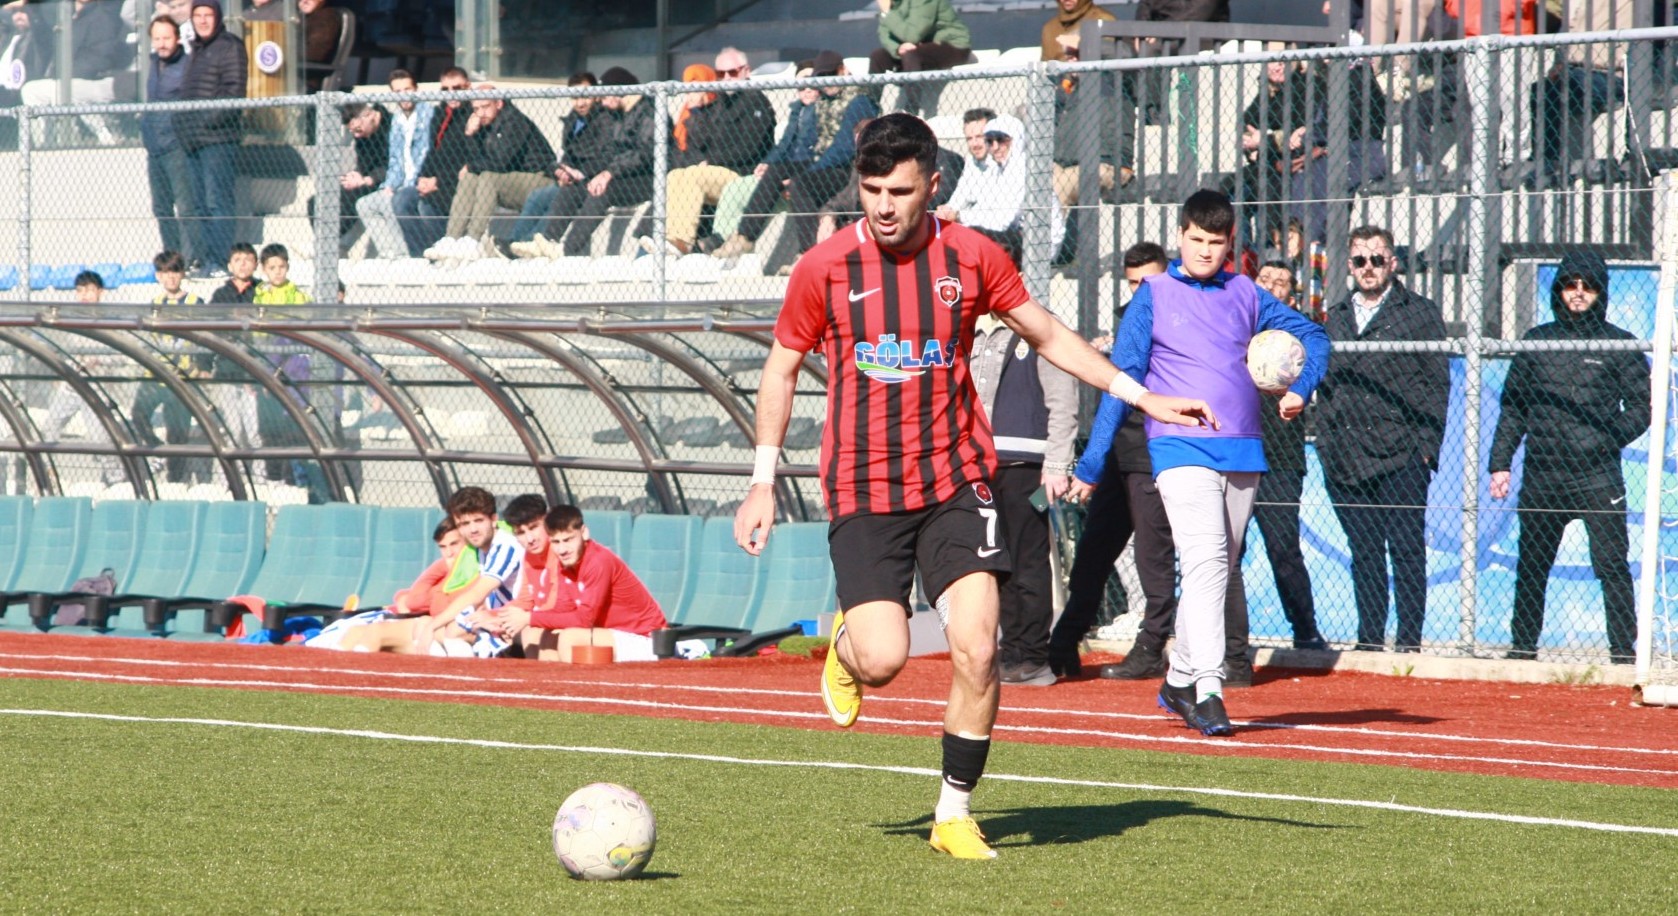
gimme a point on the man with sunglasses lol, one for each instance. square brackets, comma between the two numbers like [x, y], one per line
[1380, 424]
[1576, 410]
[741, 131]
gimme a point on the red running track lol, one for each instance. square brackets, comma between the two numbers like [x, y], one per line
[1544, 731]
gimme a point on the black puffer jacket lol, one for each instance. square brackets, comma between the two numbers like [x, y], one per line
[214, 70]
[588, 147]
[510, 143]
[97, 48]
[632, 139]
[1576, 409]
[1382, 412]
[737, 132]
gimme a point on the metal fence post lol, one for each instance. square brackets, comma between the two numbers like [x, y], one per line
[661, 186]
[1482, 278]
[1037, 233]
[25, 225]
[326, 169]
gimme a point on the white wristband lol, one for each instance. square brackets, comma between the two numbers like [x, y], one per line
[1126, 389]
[763, 470]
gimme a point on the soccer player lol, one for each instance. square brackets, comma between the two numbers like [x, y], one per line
[906, 454]
[468, 618]
[583, 595]
[1187, 330]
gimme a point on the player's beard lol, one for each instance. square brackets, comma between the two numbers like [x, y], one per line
[904, 230]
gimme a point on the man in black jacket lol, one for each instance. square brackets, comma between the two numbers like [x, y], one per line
[215, 70]
[728, 137]
[1380, 425]
[509, 161]
[1276, 504]
[169, 178]
[439, 177]
[626, 178]
[586, 146]
[98, 51]
[370, 131]
[1576, 409]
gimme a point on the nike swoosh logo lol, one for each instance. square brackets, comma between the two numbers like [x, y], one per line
[989, 551]
[856, 296]
[1617, 501]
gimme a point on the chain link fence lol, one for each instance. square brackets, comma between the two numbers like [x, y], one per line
[536, 333]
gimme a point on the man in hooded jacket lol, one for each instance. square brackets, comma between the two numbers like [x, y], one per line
[1576, 409]
[215, 70]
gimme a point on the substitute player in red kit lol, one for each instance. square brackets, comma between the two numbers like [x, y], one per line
[906, 453]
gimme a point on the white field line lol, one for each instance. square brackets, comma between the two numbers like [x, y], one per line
[1201, 743]
[873, 700]
[841, 765]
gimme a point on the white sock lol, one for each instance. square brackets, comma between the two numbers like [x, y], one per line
[952, 802]
[1206, 686]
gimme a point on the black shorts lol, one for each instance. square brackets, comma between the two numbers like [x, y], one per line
[875, 555]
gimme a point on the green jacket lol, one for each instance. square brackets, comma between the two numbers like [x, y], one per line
[916, 21]
[289, 294]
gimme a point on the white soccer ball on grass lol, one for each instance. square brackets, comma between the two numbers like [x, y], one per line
[604, 832]
[1274, 360]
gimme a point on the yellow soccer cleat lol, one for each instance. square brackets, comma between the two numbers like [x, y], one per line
[841, 694]
[962, 838]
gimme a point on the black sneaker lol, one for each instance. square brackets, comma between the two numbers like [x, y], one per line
[1207, 716]
[1065, 661]
[1522, 655]
[1026, 674]
[1238, 672]
[1312, 643]
[1142, 664]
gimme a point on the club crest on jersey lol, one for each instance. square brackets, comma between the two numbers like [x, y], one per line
[948, 290]
[982, 491]
[892, 361]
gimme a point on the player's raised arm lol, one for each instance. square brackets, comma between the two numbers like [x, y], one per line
[1062, 346]
[774, 409]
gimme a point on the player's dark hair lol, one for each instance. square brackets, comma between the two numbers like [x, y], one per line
[241, 248]
[1208, 209]
[275, 250]
[564, 518]
[1366, 232]
[353, 110]
[1280, 264]
[169, 262]
[524, 509]
[583, 78]
[455, 71]
[977, 114]
[163, 19]
[443, 527]
[90, 278]
[1142, 254]
[400, 74]
[894, 138]
[470, 501]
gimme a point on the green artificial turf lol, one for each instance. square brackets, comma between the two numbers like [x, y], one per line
[100, 816]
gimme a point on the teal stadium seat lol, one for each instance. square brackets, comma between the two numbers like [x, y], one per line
[317, 558]
[727, 598]
[15, 512]
[163, 565]
[52, 558]
[8, 278]
[402, 548]
[138, 273]
[109, 271]
[114, 535]
[611, 527]
[40, 276]
[663, 551]
[801, 582]
[230, 553]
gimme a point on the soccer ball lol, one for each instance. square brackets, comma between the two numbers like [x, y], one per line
[604, 832]
[1274, 360]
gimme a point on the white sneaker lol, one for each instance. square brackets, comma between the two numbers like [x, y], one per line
[490, 249]
[525, 250]
[441, 249]
[546, 247]
[467, 248]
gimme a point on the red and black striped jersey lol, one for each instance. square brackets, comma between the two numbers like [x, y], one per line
[904, 429]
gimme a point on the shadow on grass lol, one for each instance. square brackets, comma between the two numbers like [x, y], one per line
[1347, 717]
[1082, 823]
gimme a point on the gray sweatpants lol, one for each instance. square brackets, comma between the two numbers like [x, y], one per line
[1208, 511]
